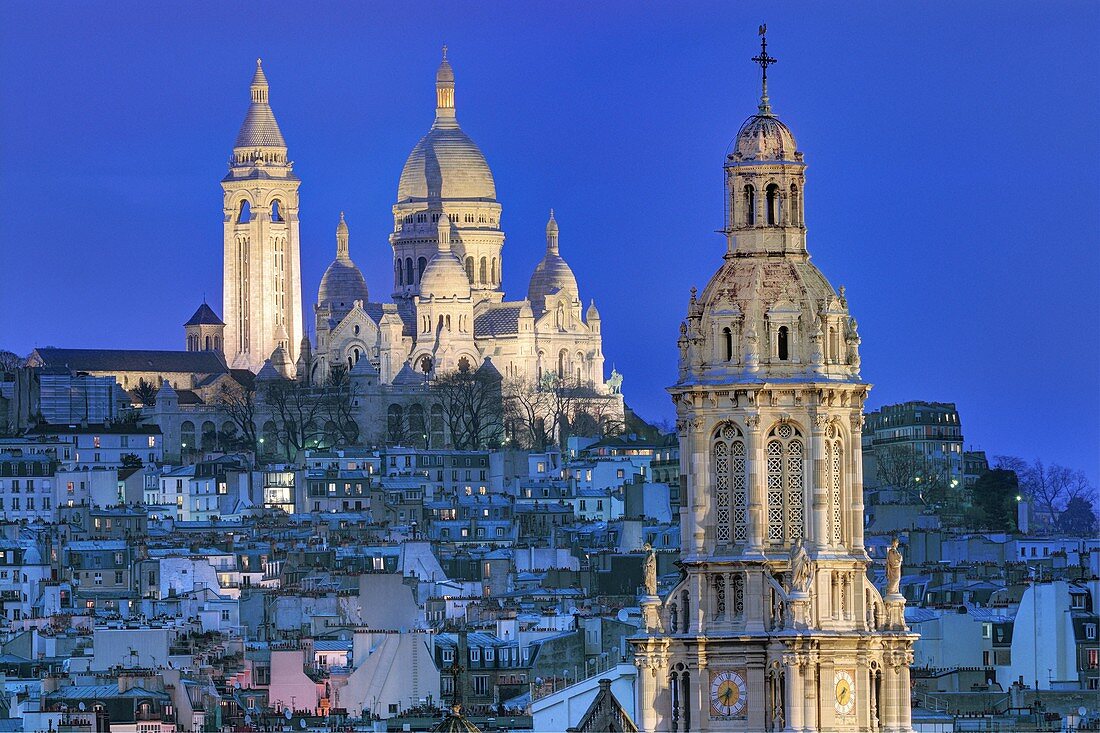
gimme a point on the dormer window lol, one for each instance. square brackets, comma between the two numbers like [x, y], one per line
[783, 346]
[727, 343]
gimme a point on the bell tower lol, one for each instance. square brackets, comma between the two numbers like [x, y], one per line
[773, 624]
[262, 282]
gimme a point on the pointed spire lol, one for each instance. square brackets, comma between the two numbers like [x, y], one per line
[259, 129]
[765, 61]
[552, 234]
[259, 84]
[445, 92]
[342, 238]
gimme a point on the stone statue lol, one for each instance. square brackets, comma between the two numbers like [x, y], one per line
[893, 569]
[649, 570]
[801, 571]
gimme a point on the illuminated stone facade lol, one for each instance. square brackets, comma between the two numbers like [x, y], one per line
[774, 624]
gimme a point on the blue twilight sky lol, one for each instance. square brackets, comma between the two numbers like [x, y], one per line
[952, 182]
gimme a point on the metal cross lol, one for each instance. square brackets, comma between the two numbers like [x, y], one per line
[765, 61]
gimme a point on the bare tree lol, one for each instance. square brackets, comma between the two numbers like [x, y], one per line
[542, 413]
[298, 412]
[10, 361]
[238, 402]
[906, 470]
[1051, 487]
[471, 402]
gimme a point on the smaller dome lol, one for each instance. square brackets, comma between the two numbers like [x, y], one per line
[553, 274]
[444, 277]
[343, 283]
[764, 137]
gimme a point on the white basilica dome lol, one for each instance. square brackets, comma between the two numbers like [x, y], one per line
[446, 163]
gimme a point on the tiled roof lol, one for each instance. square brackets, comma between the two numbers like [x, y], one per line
[503, 321]
[205, 316]
[129, 360]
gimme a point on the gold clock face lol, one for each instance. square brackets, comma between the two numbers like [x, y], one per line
[844, 688]
[727, 693]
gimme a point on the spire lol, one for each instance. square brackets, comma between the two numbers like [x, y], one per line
[342, 238]
[552, 235]
[445, 91]
[259, 84]
[765, 61]
[259, 129]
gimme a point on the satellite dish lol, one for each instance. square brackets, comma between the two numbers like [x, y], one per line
[1082, 711]
[287, 714]
[302, 723]
[80, 707]
[248, 720]
[236, 684]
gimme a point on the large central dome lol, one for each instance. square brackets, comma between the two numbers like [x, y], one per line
[446, 163]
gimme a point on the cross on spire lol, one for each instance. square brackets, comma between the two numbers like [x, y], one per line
[456, 670]
[444, 51]
[765, 61]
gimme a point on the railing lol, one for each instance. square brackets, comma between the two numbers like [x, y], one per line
[593, 669]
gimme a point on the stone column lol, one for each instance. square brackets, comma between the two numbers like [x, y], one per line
[820, 485]
[703, 483]
[796, 697]
[727, 586]
[700, 693]
[855, 484]
[646, 712]
[905, 702]
[889, 694]
[809, 688]
[757, 473]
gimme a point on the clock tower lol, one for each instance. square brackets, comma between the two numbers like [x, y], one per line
[774, 624]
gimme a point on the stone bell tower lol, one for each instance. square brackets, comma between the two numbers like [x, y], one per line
[262, 281]
[774, 624]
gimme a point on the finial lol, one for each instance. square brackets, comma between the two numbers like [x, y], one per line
[765, 61]
[341, 216]
[444, 51]
[259, 62]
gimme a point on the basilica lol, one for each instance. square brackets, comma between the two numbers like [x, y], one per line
[447, 311]
[773, 623]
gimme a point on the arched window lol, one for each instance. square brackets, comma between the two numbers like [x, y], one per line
[795, 208]
[208, 343]
[470, 269]
[785, 452]
[209, 438]
[496, 272]
[421, 263]
[409, 271]
[217, 343]
[773, 204]
[355, 354]
[727, 343]
[685, 619]
[187, 436]
[834, 462]
[561, 364]
[395, 423]
[398, 274]
[783, 348]
[244, 214]
[834, 345]
[276, 214]
[418, 429]
[484, 270]
[750, 206]
[731, 485]
[448, 321]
